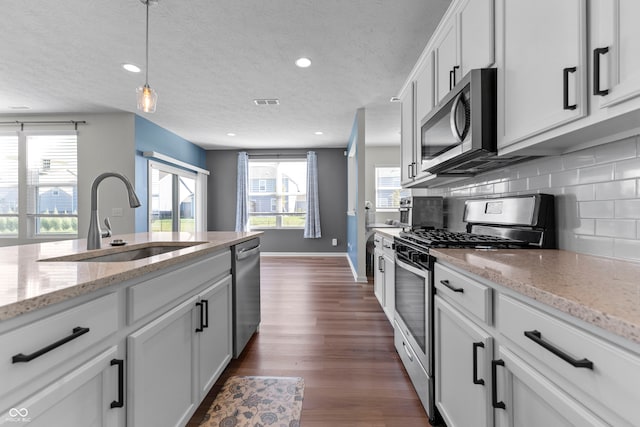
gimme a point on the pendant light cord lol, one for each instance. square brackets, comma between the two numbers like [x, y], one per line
[146, 77]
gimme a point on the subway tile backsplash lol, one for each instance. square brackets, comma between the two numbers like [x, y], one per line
[597, 196]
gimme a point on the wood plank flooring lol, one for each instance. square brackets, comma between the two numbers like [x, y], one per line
[319, 324]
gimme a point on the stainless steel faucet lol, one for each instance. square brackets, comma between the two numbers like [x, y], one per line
[95, 234]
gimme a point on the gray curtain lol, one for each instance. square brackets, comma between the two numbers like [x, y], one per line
[312, 223]
[242, 197]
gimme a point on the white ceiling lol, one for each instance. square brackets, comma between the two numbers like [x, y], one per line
[208, 60]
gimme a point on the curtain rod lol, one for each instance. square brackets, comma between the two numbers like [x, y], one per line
[294, 155]
[50, 122]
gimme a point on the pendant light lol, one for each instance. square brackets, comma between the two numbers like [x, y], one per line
[147, 97]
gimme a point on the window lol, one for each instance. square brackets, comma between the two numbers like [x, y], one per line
[173, 201]
[277, 193]
[388, 189]
[38, 185]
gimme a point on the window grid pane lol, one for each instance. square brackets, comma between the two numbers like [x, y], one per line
[388, 188]
[277, 194]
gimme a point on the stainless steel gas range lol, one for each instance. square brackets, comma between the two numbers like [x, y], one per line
[511, 222]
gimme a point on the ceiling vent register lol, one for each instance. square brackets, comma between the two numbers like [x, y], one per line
[273, 101]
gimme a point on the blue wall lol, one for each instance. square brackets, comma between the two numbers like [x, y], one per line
[151, 137]
[352, 220]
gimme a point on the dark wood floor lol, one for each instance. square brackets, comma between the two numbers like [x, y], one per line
[319, 324]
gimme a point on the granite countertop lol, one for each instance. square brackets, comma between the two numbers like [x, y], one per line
[390, 232]
[27, 284]
[601, 291]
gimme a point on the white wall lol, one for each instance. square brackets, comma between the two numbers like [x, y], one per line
[597, 196]
[379, 156]
[106, 143]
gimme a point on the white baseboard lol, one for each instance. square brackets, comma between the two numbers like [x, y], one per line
[357, 278]
[304, 254]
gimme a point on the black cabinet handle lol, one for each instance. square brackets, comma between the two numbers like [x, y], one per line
[494, 388]
[120, 402]
[201, 328]
[596, 71]
[450, 286]
[536, 337]
[476, 380]
[565, 86]
[75, 333]
[205, 319]
[413, 170]
[452, 76]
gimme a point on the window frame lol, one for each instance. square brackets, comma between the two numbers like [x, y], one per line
[28, 222]
[275, 195]
[375, 181]
[176, 173]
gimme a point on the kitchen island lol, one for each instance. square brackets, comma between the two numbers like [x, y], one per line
[136, 342]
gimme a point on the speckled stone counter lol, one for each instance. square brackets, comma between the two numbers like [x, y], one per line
[601, 291]
[389, 232]
[27, 283]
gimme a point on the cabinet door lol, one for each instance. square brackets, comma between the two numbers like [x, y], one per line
[378, 275]
[407, 136]
[477, 35]
[616, 47]
[527, 399]
[389, 286]
[462, 367]
[215, 342]
[542, 75]
[161, 377]
[80, 398]
[446, 58]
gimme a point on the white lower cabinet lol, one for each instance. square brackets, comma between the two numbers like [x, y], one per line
[503, 360]
[462, 366]
[215, 341]
[90, 395]
[161, 377]
[175, 359]
[384, 274]
[524, 397]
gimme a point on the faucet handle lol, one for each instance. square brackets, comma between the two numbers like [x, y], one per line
[107, 224]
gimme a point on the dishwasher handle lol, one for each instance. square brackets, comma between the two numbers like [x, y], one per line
[246, 253]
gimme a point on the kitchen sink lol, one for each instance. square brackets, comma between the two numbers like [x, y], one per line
[125, 254]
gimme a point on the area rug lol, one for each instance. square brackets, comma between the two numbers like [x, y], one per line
[257, 402]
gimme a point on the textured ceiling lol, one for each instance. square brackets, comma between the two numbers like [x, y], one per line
[208, 60]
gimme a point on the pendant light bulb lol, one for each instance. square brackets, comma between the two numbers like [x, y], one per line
[147, 97]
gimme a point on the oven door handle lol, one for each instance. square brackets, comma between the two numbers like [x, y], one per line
[402, 264]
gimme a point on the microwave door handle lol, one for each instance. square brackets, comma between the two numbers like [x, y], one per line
[460, 101]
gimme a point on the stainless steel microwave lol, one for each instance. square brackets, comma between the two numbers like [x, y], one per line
[458, 137]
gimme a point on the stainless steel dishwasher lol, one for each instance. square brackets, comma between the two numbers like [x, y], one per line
[246, 293]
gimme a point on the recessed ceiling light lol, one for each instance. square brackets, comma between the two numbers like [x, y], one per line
[131, 68]
[318, 133]
[303, 62]
[231, 134]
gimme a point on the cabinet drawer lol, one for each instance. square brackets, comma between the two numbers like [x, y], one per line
[54, 339]
[387, 247]
[612, 380]
[469, 294]
[150, 295]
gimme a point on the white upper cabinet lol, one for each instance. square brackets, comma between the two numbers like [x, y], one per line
[407, 136]
[465, 41]
[542, 70]
[615, 50]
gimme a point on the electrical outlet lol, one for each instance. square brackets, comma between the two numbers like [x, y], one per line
[334, 242]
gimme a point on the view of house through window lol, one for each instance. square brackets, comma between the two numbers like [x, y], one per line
[38, 190]
[388, 188]
[172, 198]
[277, 193]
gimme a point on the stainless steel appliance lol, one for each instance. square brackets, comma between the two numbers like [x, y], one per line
[458, 137]
[421, 212]
[246, 293]
[512, 222]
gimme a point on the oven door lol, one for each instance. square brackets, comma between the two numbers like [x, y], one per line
[413, 305]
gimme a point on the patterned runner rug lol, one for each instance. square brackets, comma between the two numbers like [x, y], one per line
[257, 402]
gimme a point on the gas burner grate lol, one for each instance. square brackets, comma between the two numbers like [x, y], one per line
[453, 239]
